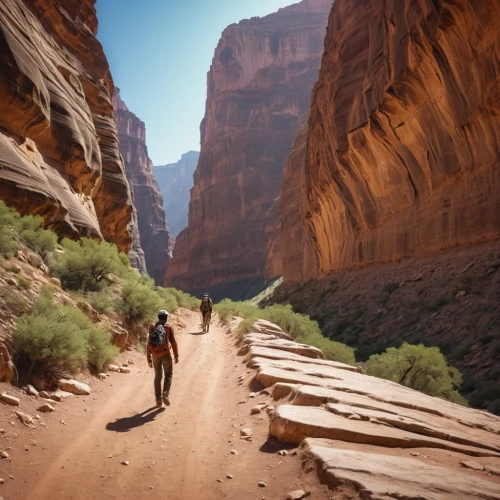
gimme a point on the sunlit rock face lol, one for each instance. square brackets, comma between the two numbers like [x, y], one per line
[59, 154]
[175, 181]
[402, 155]
[155, 238]
[259, 89]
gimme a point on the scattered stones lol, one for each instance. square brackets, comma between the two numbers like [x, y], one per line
[283, 453]
[297, 495]
[75, 387]
[56, 397]
[46, 408]
[124, 369]
[8, 399]
[113, 368]
[252, 395]
[125, 462]
[415, 454]
[262, 484]
[247, 432]
[4, 454]
[102, 376]
[255, 410]
[44, 394]
[30, 390]
[24, 418]
[234, 452]
[472, 464]
[229, 476]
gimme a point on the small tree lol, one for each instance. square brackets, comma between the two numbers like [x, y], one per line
[8, 217]
[140, 301]
[418, 367]
[87, 264]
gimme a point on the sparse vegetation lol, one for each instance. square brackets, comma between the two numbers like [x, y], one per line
[418, 367]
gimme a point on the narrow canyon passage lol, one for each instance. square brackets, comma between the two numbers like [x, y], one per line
[178, 452]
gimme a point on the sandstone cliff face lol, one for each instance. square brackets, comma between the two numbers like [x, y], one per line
[402, 155]
[155, 238]
[59, 153]
[259, 88]
[175, 181]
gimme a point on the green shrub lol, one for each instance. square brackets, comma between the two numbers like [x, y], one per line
[140, 302]
[100, 300]
[333, 351]
[101, 351]
[87, 264]
[226, 309]
[418, 367]
[23, 282]
[184, 299]
[57, 337]
[297, 325]
[8, 217]
[15, 302]
[168, 300]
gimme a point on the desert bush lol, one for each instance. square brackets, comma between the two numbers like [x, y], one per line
[184, 299]
[140, 302]
[418, 367]
[101, 351]
[168, 300]
[32, 234]
[87, 264]
[226, 309]
[100, 300]
[23, 282]
[8, 243]
[15, 302]
[55, 337]
[333, 351]
[297, 325]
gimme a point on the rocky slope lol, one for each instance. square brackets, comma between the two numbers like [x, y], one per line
[59, 153]
[366, 437]
[259, 89]
[155, 237]
[402, 149]
[175, 181]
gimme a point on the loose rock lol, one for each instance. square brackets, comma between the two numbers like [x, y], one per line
[103, 376]
[24, 418]
[296, 495]
[74, 387]
[246, 432]
[471, 464]
[113, 368]
[46, 408]
[10, 400]
[234, 452]
[125, 462]
[262, 484]
[229, 476]
[124, 369]
[29, 389]
[4, 454]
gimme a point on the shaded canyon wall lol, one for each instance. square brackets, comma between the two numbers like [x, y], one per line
[155, 238]
[259, 89]
[59, 154]
[175, 181]
[402, 154]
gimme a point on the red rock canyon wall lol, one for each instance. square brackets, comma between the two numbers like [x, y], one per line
[259, 89]
[59, 154]
[402, 153]
[155, 238]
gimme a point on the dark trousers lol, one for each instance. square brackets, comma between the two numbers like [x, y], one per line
[163, 364]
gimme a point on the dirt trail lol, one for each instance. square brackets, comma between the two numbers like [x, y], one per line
[177, 452]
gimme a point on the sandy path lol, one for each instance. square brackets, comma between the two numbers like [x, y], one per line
[170, 450]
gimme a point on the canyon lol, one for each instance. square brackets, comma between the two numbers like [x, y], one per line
[154, 237]
[259, 88]
[400, 157]
[175, 181]
[59, 153]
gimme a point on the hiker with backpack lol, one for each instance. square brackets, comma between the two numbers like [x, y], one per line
[161, 337]
[206, 311]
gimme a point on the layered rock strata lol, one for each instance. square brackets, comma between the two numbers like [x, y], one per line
[402, 149]
[59, 154]
[371, 436]
[155, 238]
[259, 88]
[175, 181]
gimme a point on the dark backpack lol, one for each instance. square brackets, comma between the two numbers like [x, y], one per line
[207, 305]
[157, 339]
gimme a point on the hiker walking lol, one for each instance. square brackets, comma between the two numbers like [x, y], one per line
[206, 311]
[161, 337]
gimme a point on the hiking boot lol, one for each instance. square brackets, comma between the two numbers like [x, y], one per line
[165, 399]
[159, 404]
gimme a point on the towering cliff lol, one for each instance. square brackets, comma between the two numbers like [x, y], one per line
[259, 89]
[59, 153]
[402, 151]
[175, 181]
[155, 238]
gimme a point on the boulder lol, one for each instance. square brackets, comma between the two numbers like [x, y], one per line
[30, 390]
[75, 387]
[46, 408]
[35, 260]
[56, 282]
[124, 369]
[21, 256]
[8, 399]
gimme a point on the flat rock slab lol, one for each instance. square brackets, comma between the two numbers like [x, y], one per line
[75, 387]
[385, 477]
[271, 371]
[293, 424]
[266, 327]
[262, 350]
[282, 345]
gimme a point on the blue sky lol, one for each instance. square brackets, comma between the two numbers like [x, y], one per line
[159, 52]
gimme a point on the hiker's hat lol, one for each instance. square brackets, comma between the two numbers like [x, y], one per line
[205, 295]
[163, 313]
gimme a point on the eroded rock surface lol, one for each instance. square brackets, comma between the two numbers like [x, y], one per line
[259, 89]
[175, 181]
[372, 436]
[59, 154]
[155, 237]
[402, 153]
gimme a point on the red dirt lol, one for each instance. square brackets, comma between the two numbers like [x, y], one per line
[177, 453]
